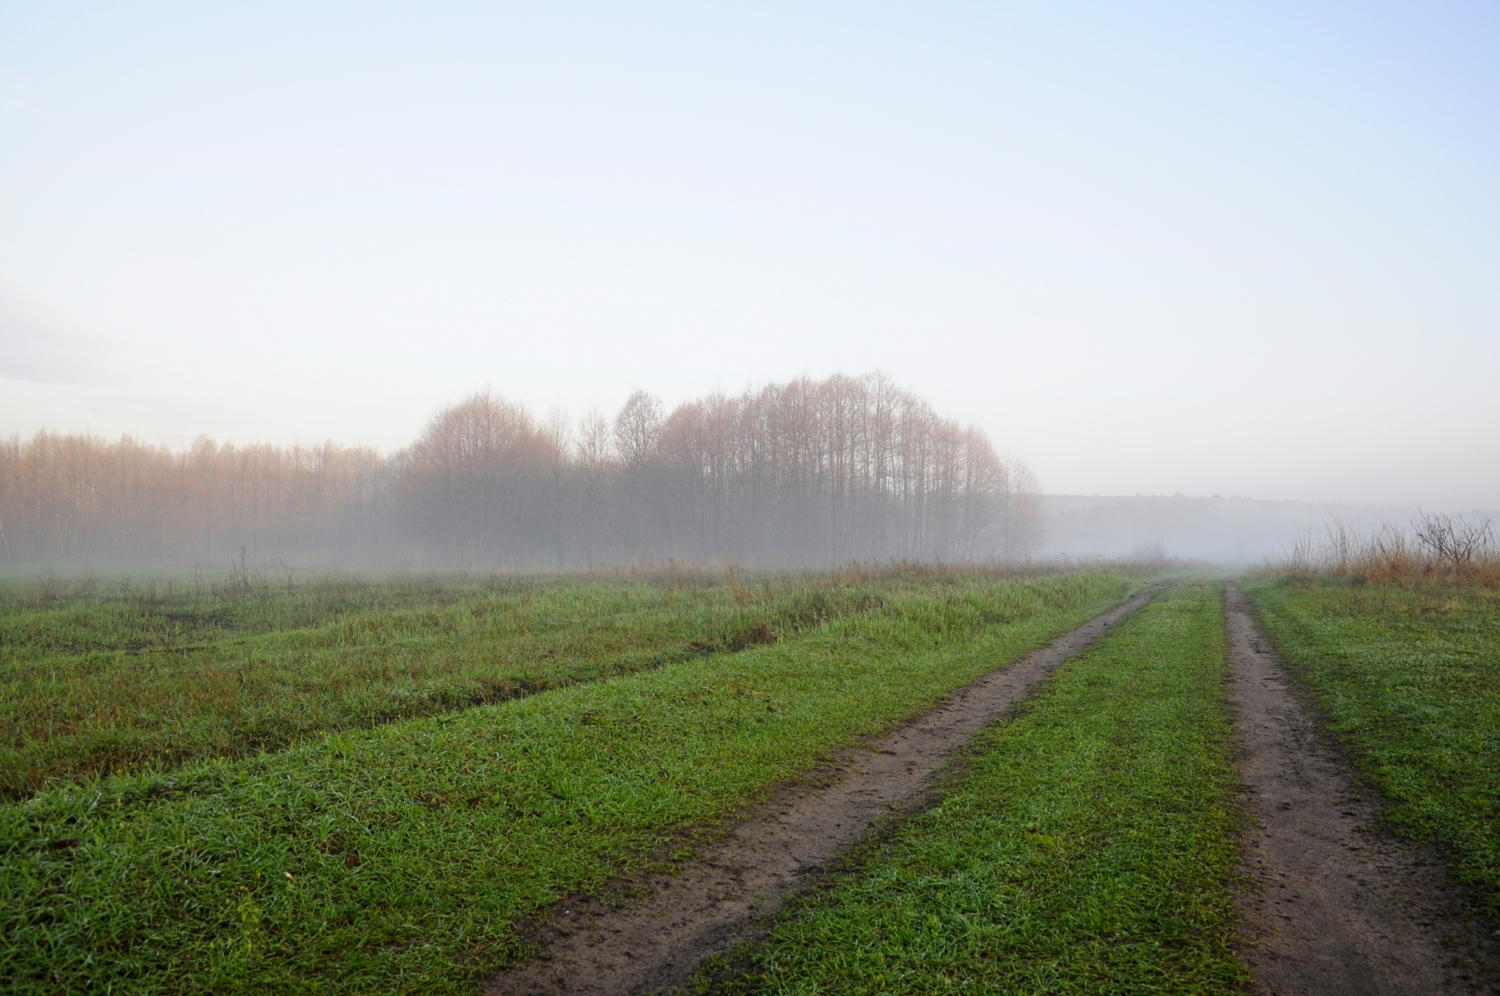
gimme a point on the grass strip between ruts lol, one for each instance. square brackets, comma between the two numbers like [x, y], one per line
[1410, 680]
[1088, 847]
[399, 859]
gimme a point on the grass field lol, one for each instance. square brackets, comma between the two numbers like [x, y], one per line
[100, 679]
[1088, 846]
[1409, 676]
[399, 858]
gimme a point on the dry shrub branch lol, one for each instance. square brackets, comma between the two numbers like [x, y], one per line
[1437, 548]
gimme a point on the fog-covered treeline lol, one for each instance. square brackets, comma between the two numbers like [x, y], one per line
[805, 472]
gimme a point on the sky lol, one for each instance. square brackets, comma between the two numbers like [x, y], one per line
[1247, 249]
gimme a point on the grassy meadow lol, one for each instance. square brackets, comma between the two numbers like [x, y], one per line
[447, 758]
[99, 679]
[1088, 845]
[1408, 672]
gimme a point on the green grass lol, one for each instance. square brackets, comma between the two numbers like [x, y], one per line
[1409, 678]
[150, 675]
[1088, 847]
[400, 859]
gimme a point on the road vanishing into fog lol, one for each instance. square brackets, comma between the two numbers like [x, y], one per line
[1342, 906]
[726, 897]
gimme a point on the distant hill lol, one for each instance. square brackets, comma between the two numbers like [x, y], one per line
[1225, 530]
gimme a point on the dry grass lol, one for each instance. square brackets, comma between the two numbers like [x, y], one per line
[1438, 548]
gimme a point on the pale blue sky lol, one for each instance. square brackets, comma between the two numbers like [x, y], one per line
[1249, 249]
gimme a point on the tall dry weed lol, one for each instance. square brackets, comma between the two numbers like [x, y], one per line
[1437, 548]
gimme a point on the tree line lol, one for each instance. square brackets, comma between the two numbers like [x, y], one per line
[805, 472]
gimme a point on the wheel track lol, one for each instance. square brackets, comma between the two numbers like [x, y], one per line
[724, 898]
[1342, 905]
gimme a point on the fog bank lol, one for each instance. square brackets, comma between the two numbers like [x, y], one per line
[1231, 530]
[805, 473]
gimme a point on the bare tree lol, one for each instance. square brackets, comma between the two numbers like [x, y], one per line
[555, 439]
[637, 436]
[806, 472]
[595, 461]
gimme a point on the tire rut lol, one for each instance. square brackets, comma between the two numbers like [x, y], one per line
[724, 898]
[1342, 906]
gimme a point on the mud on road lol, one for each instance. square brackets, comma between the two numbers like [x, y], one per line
[725, 897]
[1342, 906]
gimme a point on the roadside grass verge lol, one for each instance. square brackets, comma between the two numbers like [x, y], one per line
[1088, 846]
[143, 677]
[400, 859]
[1409, 677]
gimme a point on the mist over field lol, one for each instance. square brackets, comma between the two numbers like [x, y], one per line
[578, 285]
[1232, 531]
[798, 474]
[873, 498]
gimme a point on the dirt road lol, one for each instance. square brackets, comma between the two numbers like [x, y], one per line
[1343, 906]
[720, 900]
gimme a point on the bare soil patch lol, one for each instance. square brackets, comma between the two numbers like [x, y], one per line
[723, 898]
[1343, 906]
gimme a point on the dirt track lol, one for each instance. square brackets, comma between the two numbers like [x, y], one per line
[1343, 906]
[719, 901]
